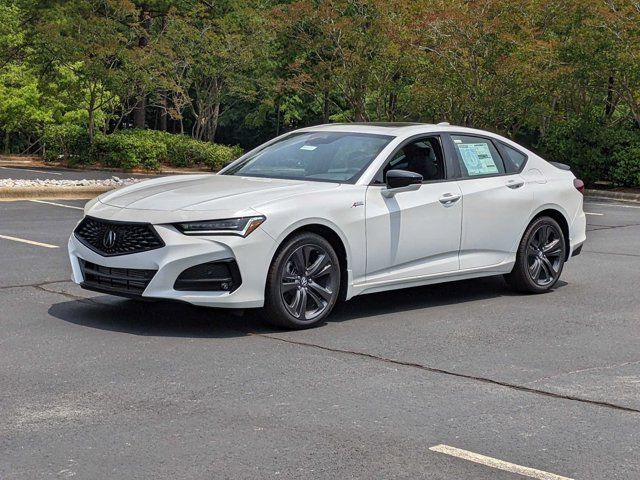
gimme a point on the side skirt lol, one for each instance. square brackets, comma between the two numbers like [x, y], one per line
[499, 269]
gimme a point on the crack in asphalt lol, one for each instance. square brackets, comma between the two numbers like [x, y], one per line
[64, 294]
[610, 227]
[585, 370]
[612, 253]
[486, 380]
[477, 378]
[34, 285]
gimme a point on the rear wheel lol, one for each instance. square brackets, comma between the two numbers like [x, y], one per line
[303, 282]
[540, 258]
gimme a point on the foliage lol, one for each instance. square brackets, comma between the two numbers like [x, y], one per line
[592, 148]
[129, 149]
[167, 149]
[120, 150]
[564, 74]
[627, 167]
[66, 142]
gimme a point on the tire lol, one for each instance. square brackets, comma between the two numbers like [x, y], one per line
[540, 258]
[303, 282]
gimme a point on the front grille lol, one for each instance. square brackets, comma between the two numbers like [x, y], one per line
[109, 238]
[128, 282]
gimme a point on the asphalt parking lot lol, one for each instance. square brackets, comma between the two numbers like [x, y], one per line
[97, 387]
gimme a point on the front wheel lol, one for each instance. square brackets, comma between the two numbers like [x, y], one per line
[540, 258]
[303, 282]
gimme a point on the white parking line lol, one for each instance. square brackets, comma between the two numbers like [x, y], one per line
[613, 205]
[30, 242]
[596, 214]
[498, 464]
[57, 204]
[29, 170]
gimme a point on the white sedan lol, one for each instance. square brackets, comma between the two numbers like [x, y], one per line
[326, 213]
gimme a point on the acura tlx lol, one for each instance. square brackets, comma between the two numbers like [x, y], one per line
[326, 213]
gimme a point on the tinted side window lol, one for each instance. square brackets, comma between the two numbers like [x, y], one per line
[477, 156]
[514, 160]
[423, 156]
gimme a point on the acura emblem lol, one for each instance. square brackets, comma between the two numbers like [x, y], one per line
[109, 239]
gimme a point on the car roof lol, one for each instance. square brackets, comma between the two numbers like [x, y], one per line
[406, 129]
[393, 128]
[383, 128]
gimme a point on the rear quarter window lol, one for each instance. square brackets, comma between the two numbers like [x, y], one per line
[514, 159]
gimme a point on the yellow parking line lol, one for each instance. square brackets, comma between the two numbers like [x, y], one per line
[30, 242]
[498, 464]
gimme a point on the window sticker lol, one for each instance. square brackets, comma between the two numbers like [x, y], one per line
[308, 147]
[477, 158]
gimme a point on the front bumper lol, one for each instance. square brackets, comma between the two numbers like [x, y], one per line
[253, 255]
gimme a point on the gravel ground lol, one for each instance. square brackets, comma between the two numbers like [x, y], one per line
[109, 182]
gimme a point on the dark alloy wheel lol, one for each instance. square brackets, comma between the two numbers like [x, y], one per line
[545, 255]
[540, 259]
[303, 283]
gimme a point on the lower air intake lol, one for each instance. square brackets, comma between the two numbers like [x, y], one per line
[127, 282]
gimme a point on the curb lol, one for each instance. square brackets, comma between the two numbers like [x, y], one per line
[94, 168]
[607, 195]
[26, 193]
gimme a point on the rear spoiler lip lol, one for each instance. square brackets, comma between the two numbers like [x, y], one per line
[561, 166]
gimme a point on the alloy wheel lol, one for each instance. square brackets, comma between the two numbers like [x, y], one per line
[545, 253]
[309, 282]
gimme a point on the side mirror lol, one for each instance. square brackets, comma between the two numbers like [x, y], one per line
[401, 181]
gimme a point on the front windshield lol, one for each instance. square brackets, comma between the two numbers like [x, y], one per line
[319, 156]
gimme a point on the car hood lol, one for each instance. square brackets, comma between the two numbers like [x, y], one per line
[207, 192]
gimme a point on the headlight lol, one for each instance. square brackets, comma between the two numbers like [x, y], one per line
[242, 226]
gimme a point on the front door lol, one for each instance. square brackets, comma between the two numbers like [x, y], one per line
[414, 234]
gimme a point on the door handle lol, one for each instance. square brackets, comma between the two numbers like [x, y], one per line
[513, 184]
[449, 198]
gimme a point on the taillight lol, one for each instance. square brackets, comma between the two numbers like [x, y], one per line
[579, 184]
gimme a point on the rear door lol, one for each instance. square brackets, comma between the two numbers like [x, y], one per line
[496, 200]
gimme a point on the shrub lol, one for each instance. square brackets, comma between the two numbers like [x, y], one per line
[578, 143]
[152, 148]
[183, 151]
[66, 142]
[593, 150]
[128, 149]
[627, 167]
[121, 150]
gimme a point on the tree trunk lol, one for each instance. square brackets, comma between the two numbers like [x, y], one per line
[393, 106]
[325, 107]
[609, 107]
[139, 114]
[212, 127]
[91, 126]
[7, 142]
[91, 109]
[162, 124]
